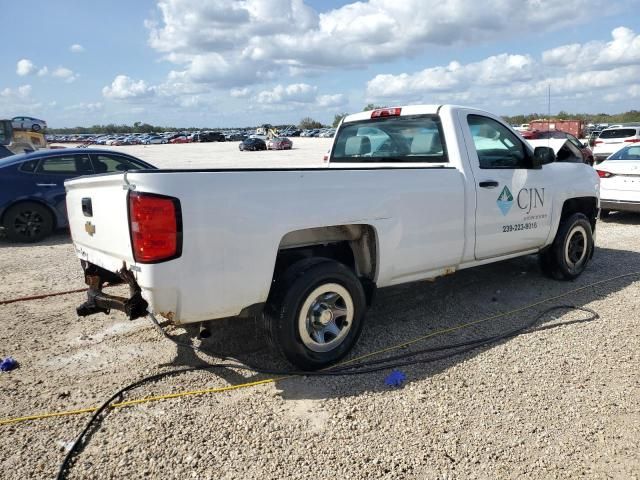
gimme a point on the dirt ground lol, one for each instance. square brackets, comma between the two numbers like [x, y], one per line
[558, 402]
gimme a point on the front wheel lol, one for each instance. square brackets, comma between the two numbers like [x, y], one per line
[571, 250]
[315, 313]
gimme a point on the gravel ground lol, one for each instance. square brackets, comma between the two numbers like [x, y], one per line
[559, 402]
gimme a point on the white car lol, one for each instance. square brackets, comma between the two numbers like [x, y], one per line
[620, 181]
[613, 139]
[28, 123]
[155, 140]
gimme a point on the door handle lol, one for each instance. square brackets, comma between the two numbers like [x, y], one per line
[46, 184]
[489, 184]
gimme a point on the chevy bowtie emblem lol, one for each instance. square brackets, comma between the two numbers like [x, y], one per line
[90, 228]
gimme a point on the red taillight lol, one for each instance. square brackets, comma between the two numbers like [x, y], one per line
[386, 112]
[156, 227]
[603, 174]
[597, 142]
[632, 140]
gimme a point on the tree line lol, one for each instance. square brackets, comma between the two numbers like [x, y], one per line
[310, 123]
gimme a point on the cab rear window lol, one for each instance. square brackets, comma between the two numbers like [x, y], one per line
[391, 140]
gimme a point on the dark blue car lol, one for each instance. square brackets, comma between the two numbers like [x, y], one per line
[32, 195]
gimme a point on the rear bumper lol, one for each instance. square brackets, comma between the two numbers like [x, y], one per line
[620, 206]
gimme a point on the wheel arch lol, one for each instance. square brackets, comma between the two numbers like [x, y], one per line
[354, 245]
[586, 205]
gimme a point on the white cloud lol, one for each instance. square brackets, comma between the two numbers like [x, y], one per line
[240, 42]
[44, 71]
[497, 70]
[64, 73]
[597, 71]
[88, 107]
[294, 93]
[239, 92]
[299, 94]
[22, 92]
[125, 88]
[623, 49]
[25, 67]
[76, 48]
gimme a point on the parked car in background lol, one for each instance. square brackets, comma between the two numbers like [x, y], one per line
[593, 136]
[156, 139]
[28, 123]
[252, 144]
[611, 140]
[279, 143]
[180, 139]
[587, 154]
[620, 181]
[32, 195]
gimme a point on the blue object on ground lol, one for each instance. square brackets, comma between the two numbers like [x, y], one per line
[395, 379]
[7, 364]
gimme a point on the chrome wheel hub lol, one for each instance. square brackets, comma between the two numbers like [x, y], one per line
[325, 318]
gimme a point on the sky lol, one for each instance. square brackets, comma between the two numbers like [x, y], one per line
[234, 63]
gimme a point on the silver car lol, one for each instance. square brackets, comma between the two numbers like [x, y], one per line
[28, 123]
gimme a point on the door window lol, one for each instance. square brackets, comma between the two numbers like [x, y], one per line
[115, 163]
[66, 165]
[495, 144]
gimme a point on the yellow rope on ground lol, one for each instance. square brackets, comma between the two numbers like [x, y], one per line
[443, 331]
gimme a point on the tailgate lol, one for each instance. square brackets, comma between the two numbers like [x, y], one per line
[99, 220]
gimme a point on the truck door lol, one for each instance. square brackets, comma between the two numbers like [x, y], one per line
[513, 200]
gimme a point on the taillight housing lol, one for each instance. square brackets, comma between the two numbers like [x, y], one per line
[155, 224]
[632, 140]
[598, 142]
[603, 174]
[386, 112]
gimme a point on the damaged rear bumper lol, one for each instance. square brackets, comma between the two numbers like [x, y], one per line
[99, 302]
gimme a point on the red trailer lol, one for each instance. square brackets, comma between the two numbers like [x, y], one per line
[574, 127]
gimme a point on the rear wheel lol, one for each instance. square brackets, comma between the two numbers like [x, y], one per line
[315, 313]
[571, 250]
[35, 127]
[28, 222]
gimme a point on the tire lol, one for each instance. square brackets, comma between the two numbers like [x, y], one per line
[571, 250]
[315, 313]
[28, 222]
[604, 213]
[35, 127]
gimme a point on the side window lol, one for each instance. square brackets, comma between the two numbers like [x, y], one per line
[66, 165]
[496, 145]
[114, 163]
[29, 166]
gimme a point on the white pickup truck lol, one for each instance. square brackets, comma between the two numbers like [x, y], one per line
[407, 193]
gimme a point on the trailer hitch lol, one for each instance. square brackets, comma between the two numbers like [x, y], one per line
[99, 302]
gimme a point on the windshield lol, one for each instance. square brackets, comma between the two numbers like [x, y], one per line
[391, 139]
[627, 153]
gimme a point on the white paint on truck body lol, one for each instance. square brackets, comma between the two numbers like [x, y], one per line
[428, 218]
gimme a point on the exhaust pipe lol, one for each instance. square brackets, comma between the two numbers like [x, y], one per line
[203, 331]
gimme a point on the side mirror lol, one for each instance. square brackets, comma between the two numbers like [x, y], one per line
[542, 156]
